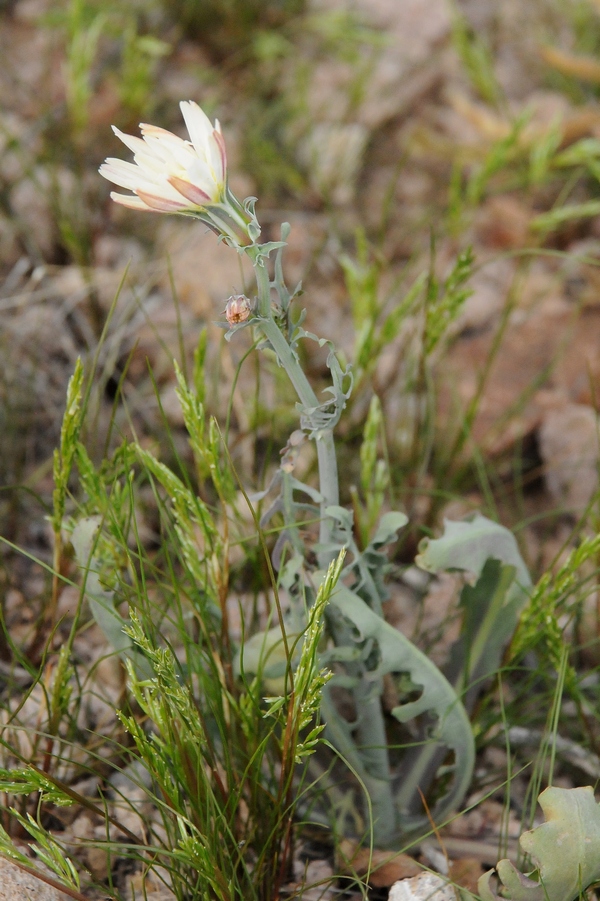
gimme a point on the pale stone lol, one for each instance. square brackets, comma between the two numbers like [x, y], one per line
[568, 439]
[424, 887]
[17, 885]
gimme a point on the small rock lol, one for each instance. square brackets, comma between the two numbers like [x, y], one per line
[150, 887]
[17, 885]
[568, 439]
[424, 887]
[503, 223]
[316, 873]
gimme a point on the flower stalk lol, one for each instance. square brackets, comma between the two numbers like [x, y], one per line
[324, 440]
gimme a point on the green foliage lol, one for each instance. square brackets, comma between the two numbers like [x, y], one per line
[140, 56]
[100, 559]
[228, 26]
[565, 851]
[375, 325]
[48, 851]
[502, 154]
[490, 610]
[65, 455]
[539, 627]
[543, 155]
[228, 768]
[443, 302]
[476, 59]
[585, 152]
[469, 544]
[491, 607]
[88, 28]
[452, 730]
[548, 222]
[84, 27]
[374, 474]
[28, 780]
[222, 752]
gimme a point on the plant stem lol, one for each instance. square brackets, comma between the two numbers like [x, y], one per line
[372, 761]
[328, 472]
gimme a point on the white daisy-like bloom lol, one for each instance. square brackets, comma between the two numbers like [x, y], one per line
[170, 175]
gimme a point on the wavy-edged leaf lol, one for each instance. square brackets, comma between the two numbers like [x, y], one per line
[565, 850]
[492, 606]
[467, 544]
[490, 613]
[452, 729]
[387, 527]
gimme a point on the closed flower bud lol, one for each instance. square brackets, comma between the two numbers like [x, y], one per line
[238, 309]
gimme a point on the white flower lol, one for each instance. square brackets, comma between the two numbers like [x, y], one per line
[169, 174]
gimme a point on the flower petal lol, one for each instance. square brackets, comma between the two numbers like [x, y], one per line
[190, 191]
[130, 201]
[220, 143]
[155, 131]
[126, 175]
[198, 125]
[135, 144]
[163, 204]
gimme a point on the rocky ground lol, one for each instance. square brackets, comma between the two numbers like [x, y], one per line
[381, 125]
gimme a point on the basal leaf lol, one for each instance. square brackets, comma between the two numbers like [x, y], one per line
[466, 545]
[438, 699]
[565, 851]
[491, 609]
[492, 606]
[389, 524]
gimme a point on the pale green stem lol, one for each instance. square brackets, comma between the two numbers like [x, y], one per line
[328, 473]
[373, 762]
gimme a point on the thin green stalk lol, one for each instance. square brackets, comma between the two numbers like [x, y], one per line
[328, 472]
[373, 762]
[288, 361]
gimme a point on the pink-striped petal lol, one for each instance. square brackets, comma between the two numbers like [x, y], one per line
[190, 191]
[162, 203]
[220, 142]
[129, 200]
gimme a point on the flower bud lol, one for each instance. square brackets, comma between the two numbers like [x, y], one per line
[238, 309]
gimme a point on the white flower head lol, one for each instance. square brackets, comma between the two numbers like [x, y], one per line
[168, 174]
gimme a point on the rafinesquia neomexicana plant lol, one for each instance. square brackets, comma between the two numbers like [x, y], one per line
[189, 177]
